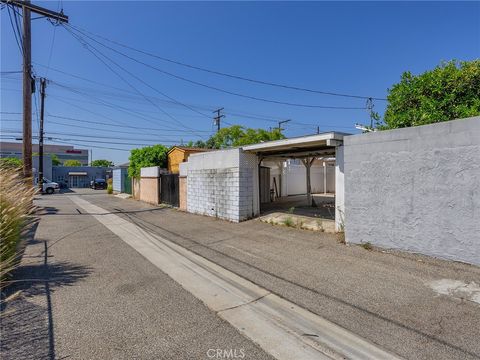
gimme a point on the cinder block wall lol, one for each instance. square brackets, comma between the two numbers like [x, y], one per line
[222, 184]
[416, 189]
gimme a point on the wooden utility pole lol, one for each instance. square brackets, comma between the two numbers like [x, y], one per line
[43, 84]
[27, 93]
[216, 119]
[27, 8]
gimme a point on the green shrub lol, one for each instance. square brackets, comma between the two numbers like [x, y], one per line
[110, 186]
[367, 246]
[289, 222]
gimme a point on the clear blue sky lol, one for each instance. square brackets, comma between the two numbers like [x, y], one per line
[358, 48]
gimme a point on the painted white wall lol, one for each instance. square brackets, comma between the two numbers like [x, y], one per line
[223, 184]
[117, 180]
[152, 171]
[339, 188]
[416, 189]
[294, 180]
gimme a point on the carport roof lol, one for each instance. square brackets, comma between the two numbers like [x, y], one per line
[299, 147]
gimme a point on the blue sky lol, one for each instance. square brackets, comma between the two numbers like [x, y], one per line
[358, 48]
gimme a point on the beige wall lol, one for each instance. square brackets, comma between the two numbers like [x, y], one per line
[182, 180]
[136, 188]
[149, 190]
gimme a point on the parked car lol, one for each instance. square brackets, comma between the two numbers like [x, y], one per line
[98, 184]
[49, 187]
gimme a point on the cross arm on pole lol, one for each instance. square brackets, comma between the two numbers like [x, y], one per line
[59, 16]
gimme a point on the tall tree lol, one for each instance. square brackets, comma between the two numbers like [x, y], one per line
[237, 135]
[450, 91]
[102, 163]
[72, 162]
[55, 160]
[155, 155]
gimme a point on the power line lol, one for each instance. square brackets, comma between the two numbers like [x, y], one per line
[89, 47]
[297, 88]
[216, 88]
[118, 107]
[249, 115]
[19, 41]
[8, 131]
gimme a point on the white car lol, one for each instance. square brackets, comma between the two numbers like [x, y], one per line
[50, 187]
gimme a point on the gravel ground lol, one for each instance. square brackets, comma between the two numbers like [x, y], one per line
[382, 296]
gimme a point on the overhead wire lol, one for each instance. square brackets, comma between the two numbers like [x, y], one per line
[89, 47]
[18, 38]
[116, 106]
[229, 111]
[213, 87]
[261, 82]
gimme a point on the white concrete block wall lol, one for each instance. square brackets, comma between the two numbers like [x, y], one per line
[222, 184]
[416, 189]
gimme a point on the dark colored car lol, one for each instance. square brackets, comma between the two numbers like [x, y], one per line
[98, 184]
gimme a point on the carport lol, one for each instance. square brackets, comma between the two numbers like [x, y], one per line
[307, 149]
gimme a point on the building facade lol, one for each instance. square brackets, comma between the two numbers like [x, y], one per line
[178, 154]
[78, 176]
[63, 152]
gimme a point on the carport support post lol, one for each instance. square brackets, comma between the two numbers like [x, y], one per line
[308, 163]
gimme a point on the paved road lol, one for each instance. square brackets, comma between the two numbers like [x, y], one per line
[385, 297]
[91, 296]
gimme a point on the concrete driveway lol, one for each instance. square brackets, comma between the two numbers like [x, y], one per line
[115, 304]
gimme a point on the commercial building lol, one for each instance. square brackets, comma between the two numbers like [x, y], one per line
[63, 152]
[79, 176]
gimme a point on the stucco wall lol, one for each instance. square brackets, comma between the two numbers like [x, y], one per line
[416, 189]
[149, 190]
[182, 193]
[223, 184]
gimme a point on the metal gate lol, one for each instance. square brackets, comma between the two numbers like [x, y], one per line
[127, 183]
[169, 189]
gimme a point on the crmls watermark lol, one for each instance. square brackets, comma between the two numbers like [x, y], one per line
[226, 353]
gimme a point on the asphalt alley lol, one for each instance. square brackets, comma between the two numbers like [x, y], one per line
[280, 327]
[93, 296]
[88, 295]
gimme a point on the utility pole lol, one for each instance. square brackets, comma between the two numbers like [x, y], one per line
[282, 122]
[27, 93]
[370, 110]
[27, 8]
[216, 119]
[43, 84]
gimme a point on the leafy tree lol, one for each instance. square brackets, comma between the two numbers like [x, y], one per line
[237, 135]
[72, 162]
[55, 160]
[102, 163]
[11, 163]
[450, 91]
[155, 155]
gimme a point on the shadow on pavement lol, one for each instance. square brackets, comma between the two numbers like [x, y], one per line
[27, 322]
